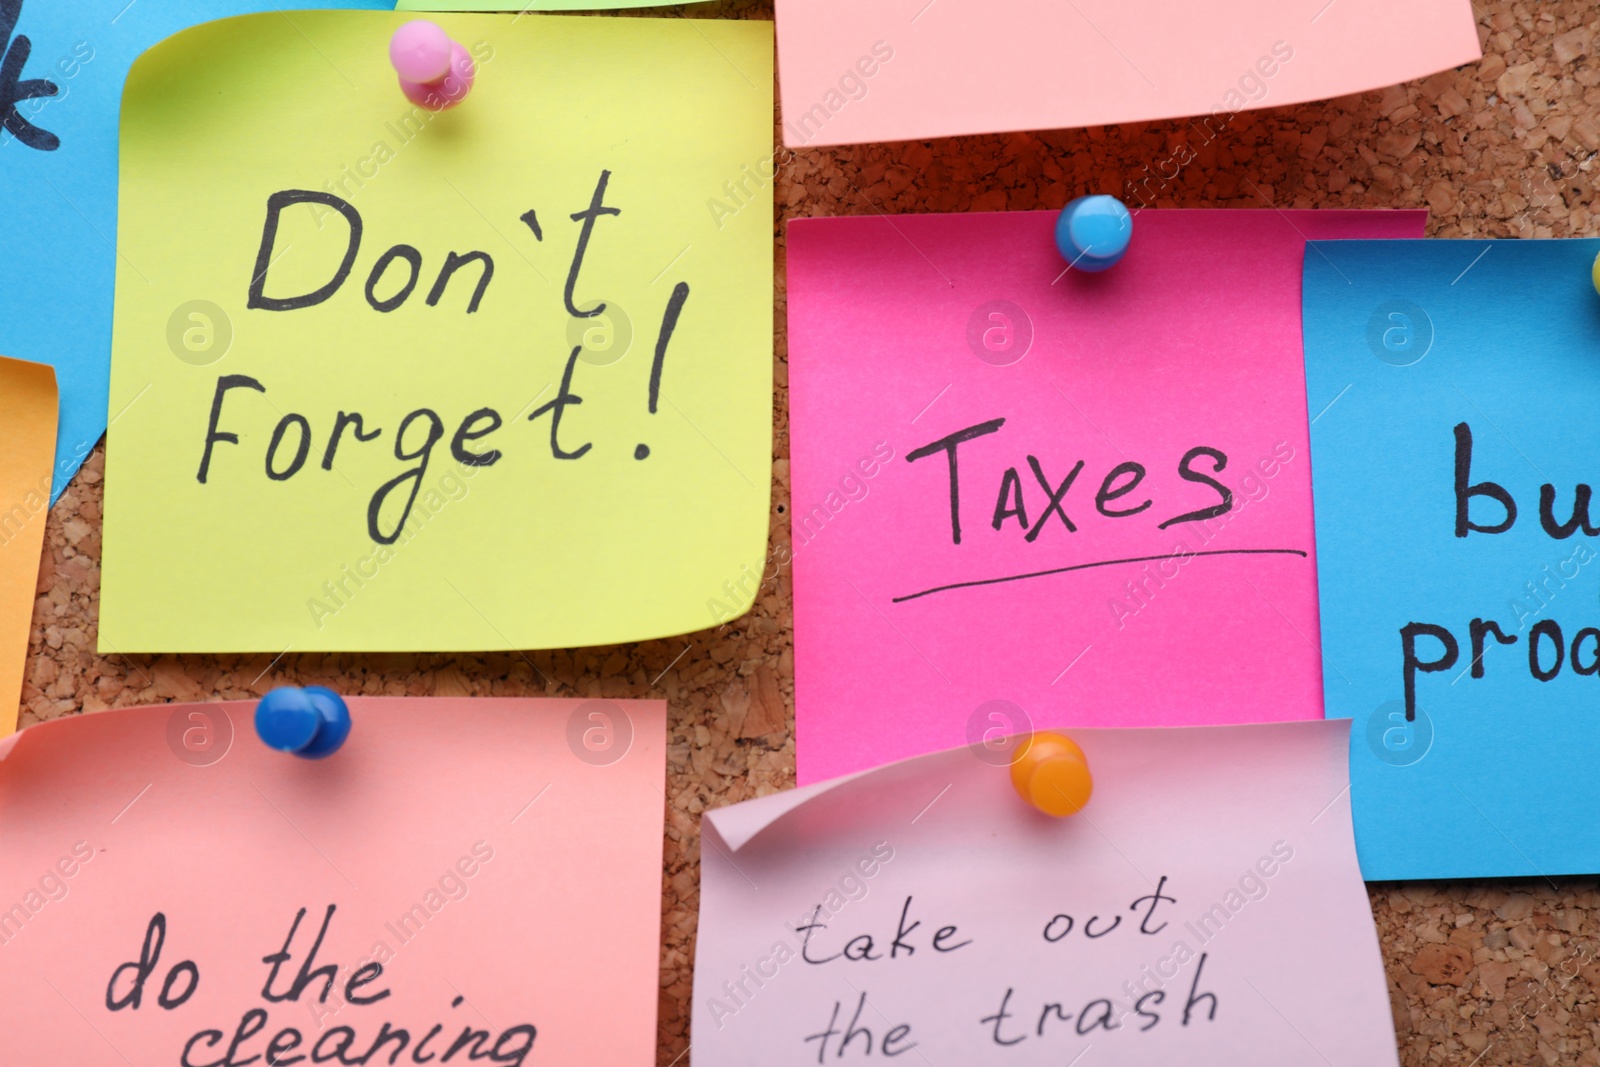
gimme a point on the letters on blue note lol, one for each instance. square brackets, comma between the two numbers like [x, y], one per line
[1453, 389]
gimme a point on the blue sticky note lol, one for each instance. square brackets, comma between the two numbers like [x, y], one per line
[1454, 395]
[58, 185]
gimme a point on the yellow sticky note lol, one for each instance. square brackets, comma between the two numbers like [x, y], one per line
[390, 379]
[27, 443]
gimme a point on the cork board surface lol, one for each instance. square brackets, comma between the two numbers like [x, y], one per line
[1481, 973]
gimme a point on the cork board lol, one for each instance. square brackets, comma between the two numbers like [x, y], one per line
[1485, 973]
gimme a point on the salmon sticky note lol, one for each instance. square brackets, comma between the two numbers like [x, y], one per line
[1024, 496]
[464, 880]
[1204, 906]
[494, 377]
[898, 70]
[27, 442]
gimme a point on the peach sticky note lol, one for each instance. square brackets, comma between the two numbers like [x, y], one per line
[463, 880]
[897, 70]
[1205, 908]
[1028, 497]
[27, 443]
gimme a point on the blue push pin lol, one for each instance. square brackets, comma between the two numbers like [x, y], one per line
[1093, 232]
[311, 722]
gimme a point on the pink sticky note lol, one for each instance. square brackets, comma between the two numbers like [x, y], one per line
[895, 70]
[1205, 908]
[476, 875]
[1184, 359]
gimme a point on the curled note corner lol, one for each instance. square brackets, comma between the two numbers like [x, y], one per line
[739, 824]
[11, 740]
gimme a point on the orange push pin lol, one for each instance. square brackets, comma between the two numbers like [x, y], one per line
[1052, 774]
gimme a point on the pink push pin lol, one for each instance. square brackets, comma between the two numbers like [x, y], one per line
[435, 72]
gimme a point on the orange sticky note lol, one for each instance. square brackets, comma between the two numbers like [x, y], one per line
[463, 881]
[28, 414]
